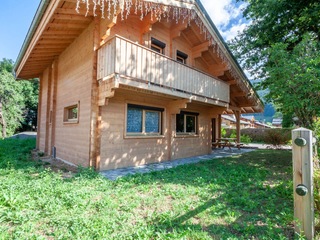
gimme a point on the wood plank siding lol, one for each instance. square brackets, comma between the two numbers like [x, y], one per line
[128, 90]
[138, 66]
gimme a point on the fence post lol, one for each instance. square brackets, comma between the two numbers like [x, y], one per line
[302, 158]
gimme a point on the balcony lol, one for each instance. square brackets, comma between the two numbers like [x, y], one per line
[122, 62]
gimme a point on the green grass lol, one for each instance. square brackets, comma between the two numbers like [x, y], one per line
[242, 197]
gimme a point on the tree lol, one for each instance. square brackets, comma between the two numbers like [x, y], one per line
[293, 79]
[17, 99]
[30, 92]
[12, 103]
[281, 48]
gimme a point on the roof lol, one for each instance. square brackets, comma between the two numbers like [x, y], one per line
[277, 121]
[57, 22]
[232, 118]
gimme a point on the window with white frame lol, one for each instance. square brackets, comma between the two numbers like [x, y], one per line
[143, 120]
[186, 122]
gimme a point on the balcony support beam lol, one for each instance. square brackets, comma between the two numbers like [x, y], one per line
[177, 105]
[106, 91]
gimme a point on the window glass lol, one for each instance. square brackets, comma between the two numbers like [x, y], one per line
[73, 113]
[143, 120]
[152, 122]
[181, 57]
[157, 45]
[70, 114]
[190, 124]
[134, 120]
[180, 123]
[186, 123]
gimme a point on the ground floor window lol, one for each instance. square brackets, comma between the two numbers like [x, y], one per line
[186, 123]
[144, 120]
[71, 113]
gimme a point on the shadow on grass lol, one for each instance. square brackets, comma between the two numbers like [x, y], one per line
[248, 196]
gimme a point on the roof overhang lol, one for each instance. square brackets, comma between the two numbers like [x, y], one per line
[57, 24]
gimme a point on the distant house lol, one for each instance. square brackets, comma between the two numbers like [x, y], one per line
[249, 119]
[277, 122]
[130, 84]
[230, 121]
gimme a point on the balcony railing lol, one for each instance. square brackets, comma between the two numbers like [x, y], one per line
[134, 64]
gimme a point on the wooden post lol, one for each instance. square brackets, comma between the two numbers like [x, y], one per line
[302, 158]
[238, 128]
[219, 126]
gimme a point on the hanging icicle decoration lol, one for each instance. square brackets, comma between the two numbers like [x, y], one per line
[158, 12]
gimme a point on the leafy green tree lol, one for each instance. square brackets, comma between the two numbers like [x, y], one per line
[18, 100]
[30, 92]
[12, 103]
[293, 79]
[280, 46]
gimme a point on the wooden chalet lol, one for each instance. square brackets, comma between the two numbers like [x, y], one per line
[130, 83]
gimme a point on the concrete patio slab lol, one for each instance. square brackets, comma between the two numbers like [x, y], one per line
[216, 153]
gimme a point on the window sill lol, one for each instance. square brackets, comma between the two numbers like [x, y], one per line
[71, 122]
[186, 135]
[141, 136]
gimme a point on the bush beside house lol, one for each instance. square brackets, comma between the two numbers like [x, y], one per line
[275, 136]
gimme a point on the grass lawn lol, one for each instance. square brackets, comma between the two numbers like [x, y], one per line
[241, 197]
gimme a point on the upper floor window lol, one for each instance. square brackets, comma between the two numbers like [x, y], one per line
[157, 45]
[181, 57]
[144, 120]
[186, 122]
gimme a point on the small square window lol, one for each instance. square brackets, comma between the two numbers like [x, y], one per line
[157, 45]
[181, 57]
[186, 123]
[71, 114]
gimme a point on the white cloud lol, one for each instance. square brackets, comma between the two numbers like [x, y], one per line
[226, 15]
[233, 31]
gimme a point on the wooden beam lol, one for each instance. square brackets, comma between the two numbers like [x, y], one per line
[177, 29]
[108, 29]
[147, 24]
[177, 105]
[59, 37]
[55, 41]
[238, 94]
[62, 32]
[232, 82]
[51, 45]
[73, 17]
[67, 26]
[196, 31]
[197, 50]
[40, 29]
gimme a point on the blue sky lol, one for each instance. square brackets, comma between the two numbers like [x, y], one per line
[16, 17]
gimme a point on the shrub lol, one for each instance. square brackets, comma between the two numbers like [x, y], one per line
[277, 137]
[223, 132]
[243, 138]
[273, 136]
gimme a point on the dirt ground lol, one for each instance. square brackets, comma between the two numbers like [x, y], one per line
[55, 165]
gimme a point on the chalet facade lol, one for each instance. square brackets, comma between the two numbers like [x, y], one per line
[132, 83]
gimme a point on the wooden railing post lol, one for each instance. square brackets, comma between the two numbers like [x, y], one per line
[302, 157]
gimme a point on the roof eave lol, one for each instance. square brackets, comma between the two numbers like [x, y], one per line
[34, 25]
